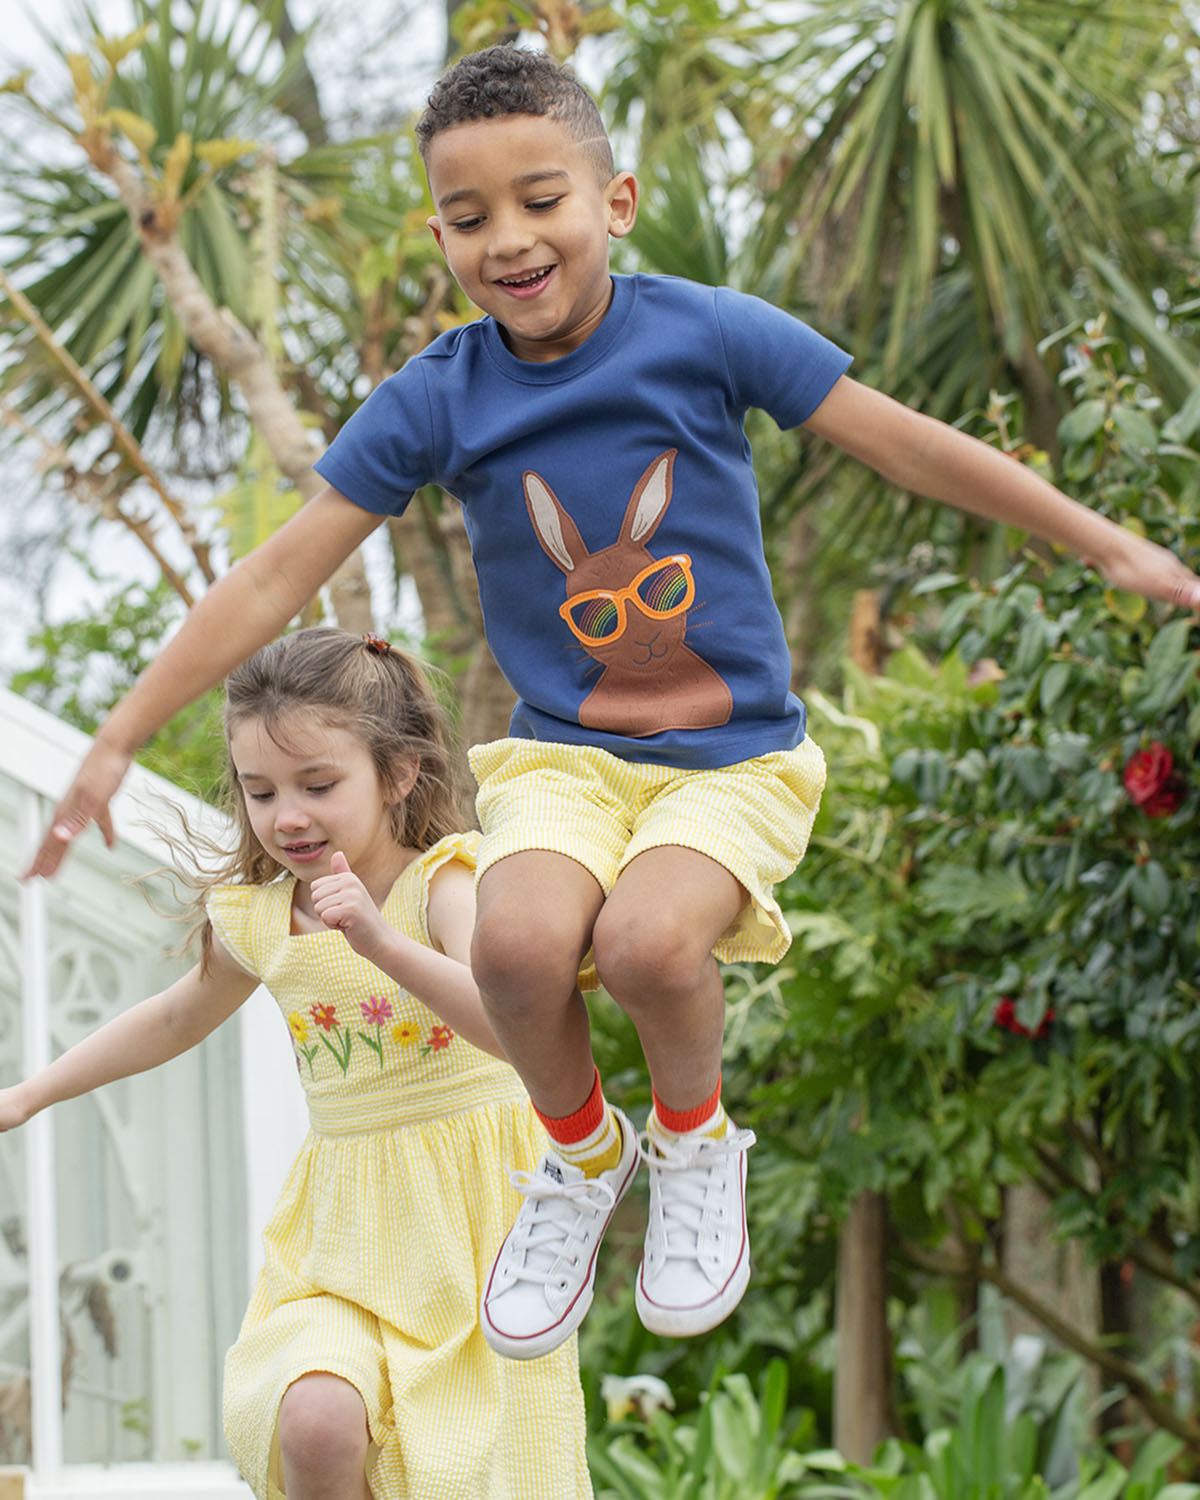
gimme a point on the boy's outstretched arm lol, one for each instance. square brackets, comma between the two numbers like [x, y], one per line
[144, 1036]
[919, 453]
[242, 611]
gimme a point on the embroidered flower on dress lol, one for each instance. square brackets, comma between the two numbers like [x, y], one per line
[404, 1034]
[439, 1037]
[376, 1011]
[298, 1026]
[324, 1016]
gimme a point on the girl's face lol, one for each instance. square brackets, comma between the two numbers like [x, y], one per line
[314, 794]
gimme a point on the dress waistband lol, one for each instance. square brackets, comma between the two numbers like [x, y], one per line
[389, 1109]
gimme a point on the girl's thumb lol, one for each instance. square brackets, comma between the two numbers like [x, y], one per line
[339, 864]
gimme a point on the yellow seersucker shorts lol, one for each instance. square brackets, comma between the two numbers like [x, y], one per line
[754, 818]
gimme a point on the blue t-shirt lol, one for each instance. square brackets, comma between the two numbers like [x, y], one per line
[613, 514]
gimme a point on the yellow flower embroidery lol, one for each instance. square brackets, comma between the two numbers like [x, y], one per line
[404, 1034]
[298, 1025]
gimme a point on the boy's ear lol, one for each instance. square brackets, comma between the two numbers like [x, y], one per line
[622, 195]
[435, 225]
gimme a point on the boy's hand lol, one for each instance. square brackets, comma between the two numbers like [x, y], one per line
[13, 1109]
[1139, 566]
[96, 783]
[343, 902]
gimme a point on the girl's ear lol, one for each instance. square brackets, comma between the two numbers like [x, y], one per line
[404, 777]
[622, 195]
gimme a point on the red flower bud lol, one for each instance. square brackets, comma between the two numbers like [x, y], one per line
[1005, 1016]
[1151, 780]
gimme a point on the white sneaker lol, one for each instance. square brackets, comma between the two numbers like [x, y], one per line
[541, 1283]
[697, 1258]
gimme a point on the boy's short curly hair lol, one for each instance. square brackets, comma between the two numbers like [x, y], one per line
[507, 80]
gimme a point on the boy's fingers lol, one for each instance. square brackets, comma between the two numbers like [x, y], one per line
[54, 846]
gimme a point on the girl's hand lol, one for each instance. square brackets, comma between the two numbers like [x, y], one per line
[343, 902]
[14, 1110]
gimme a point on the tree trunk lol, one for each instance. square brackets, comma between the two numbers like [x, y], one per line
[864, 1412]
[217, 333]
[1057, 1270]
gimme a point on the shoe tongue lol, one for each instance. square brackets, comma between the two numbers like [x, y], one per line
[552, 1169]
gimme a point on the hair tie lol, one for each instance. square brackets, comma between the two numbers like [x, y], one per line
[376, 644]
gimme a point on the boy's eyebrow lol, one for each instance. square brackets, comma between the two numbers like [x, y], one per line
[526, 179]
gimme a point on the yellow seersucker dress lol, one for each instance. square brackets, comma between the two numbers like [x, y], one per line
[388, 1223]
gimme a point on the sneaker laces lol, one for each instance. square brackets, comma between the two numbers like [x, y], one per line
[691, 1164]
[555, 1226]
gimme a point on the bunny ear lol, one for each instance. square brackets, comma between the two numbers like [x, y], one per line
[650, 498]
[555, 529]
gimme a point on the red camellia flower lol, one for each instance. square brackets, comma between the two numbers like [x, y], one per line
[1005, 1016]
[1151, 780]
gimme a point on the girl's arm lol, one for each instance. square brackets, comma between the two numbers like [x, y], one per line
[919, 453]
[438, 977]
[149, 1033]
[242, 611]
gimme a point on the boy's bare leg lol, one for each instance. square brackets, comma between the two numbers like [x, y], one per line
[653, 951]
[654, 941]
[535, 913]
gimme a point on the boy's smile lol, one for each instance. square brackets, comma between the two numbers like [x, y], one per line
[523, 221]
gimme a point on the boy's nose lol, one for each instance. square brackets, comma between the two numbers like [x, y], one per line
[510, 235]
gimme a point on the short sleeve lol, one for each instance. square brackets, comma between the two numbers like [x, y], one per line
[776, 361]
[230, 909]
[382, 455]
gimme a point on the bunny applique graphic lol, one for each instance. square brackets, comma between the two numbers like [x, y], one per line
[629, 612]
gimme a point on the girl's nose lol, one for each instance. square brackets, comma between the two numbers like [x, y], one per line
[289, 816]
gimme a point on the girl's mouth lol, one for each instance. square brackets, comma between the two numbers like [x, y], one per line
[304, 853]
[527, 284]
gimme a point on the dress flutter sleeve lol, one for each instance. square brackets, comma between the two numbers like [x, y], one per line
[460, 847]
[230, 909]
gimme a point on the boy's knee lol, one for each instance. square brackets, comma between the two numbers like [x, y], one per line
[518, 955]
[641, 957]
[323, 1427]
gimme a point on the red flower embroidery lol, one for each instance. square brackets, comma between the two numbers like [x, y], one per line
[323, 1016]
[376, 1011]
[1005, 1016]
[439, 1037]
[1152, 782]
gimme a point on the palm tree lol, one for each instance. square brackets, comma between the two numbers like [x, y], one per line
[226, 218]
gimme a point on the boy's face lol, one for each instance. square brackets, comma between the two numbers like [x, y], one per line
[523, 221]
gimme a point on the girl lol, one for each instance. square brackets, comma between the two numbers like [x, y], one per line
[360, 1369]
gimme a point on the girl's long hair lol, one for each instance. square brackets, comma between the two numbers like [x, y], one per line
[376, 692]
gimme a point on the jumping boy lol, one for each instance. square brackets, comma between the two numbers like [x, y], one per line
[657, 780]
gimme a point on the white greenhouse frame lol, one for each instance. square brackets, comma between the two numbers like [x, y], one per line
[39, 754]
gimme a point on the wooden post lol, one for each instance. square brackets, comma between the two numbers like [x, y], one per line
[12, 1484]
[863, 1404]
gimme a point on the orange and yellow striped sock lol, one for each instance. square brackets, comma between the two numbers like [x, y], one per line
[589, 1139]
